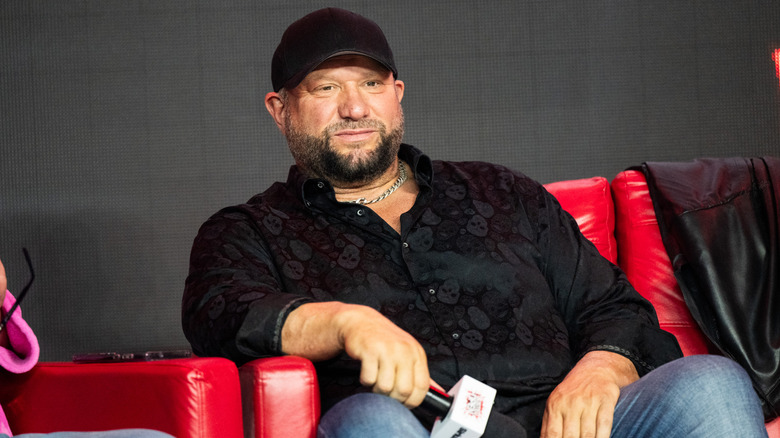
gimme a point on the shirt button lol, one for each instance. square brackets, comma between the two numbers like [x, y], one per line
[320, 185]
[456, 336]
[406, 245]
[432, 291]
[360, 212]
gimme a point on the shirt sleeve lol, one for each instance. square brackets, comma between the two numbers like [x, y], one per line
[24, 350]
[601, 309]
[234, 305]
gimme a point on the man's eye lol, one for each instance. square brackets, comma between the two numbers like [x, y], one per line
[373, 83]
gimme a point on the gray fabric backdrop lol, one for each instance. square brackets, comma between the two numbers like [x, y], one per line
[124, 124]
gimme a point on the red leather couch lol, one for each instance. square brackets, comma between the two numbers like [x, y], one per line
[281, 397]
[187, 398]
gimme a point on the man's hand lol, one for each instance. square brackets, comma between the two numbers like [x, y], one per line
[393, 363]
[584, 402]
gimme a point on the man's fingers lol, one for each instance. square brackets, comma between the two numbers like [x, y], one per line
[578, 418]
[369, 370]
[604, 420]
[552, 425]
[393, 363]
[412, 384]
[386, 378]
[422, 381]
[587, 424]
[404, 383]
[572, 423]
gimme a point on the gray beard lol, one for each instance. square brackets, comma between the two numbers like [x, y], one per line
[315, 155]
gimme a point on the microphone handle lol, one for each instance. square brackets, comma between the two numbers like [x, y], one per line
[436, 402]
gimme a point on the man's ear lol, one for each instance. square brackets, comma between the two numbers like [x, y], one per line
[399, 89]
[275, 106]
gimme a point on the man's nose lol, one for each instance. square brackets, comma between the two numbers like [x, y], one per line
[353, 104]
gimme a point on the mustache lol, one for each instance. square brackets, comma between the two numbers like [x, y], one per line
[355, 124]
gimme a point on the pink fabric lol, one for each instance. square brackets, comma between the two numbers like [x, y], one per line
[24, 351]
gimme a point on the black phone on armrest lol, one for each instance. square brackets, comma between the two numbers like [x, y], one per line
[131, 357]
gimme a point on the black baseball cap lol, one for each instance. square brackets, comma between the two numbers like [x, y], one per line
[324, 34]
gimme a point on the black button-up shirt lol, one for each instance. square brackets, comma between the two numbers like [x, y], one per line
[489, 274]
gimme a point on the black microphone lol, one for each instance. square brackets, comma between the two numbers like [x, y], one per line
[467, 397]
[436, 402]
[463, 412]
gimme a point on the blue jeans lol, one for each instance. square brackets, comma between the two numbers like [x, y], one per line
[696, 396]
[123, 433]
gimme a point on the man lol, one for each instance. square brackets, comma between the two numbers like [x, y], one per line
[393, 272]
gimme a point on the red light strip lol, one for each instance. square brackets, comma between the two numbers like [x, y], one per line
[776, 57]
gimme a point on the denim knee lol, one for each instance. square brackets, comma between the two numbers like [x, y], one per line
[710, 370]
[693, 396]
[368, 414]
[702, 373]
[713, 381]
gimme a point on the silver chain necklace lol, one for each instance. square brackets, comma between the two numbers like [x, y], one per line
[401, 179]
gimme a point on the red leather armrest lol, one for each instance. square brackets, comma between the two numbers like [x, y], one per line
[196, 398]
[589, 201]
[644, 259]
[281, 397]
